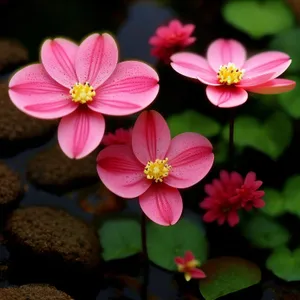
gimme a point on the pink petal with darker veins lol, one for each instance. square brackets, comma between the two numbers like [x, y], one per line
[131, 88]
[222, 52]
[150, 137]
[274, 86]
[249, 82]
[80, 132]
[35, 93]
[97, 58]
[190, 156]
[226, 96]
[58, 58]
[162, 204]
[121, 172]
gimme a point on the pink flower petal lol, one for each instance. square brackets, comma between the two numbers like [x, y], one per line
[250, 179]
[35, 93]
[211, 216]
[188, 256]
[179, 260]
[97, 58]
[233, 218]
[259, 203]
[80, 132]
[189, 41]
[162, 204]
[151, 137]
[267, 62]
[248, 82]
[197, 273]
[121, 172]
[274, 86]
[194, 66]
[188, 29]
[58, 58]
[226, 96]
[222, 52]
[131, 88]
[175, 25]
[190, 155]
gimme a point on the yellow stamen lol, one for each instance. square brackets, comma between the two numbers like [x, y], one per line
[193, 264]
[157, 170]
[187, 276]
[180, 268]
[229, 74]
[82, 93]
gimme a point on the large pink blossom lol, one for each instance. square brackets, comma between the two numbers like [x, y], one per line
[229, 75]
[170, 39]
[79, 84]
[154, 167]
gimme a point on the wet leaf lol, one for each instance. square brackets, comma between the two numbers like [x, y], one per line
[120, 238]
[258, 18]
[226, 275]
[166, 242]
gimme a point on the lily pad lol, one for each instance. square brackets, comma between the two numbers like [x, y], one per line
[226, 275]
[291, 192]
[192, 121]
[265, 232]
[290, 101]
[120, 238]
[166, 242]
[259, 18]
[285, 264]
[275, 203]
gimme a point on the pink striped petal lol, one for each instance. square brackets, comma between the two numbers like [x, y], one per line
[80, 132]
[131, 88]
[275, 86]
[58, 58]
[194, 66]
[197, 274]
[162, 204]
[222, 52]
[267, 62]
[121, 172]
[226, 96]
[254, 81]
[35, 93]
[97, 58]
[190, 155]
[150, 137]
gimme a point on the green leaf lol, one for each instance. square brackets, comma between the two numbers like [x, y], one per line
[285, 264]
[221, 152]
[272, 137]
[288, 42]
[291, 192]
[264, 232]
[258, 18]
[226, 275]
[290, 101]
[191, 121]
[166, 242]
[120, 238]
[275, 203]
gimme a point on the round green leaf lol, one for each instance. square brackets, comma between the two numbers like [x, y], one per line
[191, 121]
[288, 42]
[166, 242]
[258, 18]
[285, 264]
[264, 232]
[120, 238]
[290, 101]
[275, 204]
[291, 193]
[226, 275]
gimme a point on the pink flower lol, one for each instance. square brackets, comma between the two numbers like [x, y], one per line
[188, 265]
[154, 167]
[229, 75]
[170, 39]
[120, 137]
[79, 84]
[229, 194]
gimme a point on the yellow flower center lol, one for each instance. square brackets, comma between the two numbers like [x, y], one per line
[230, 74]
[82, 93]
[193, 264]
[157, 170]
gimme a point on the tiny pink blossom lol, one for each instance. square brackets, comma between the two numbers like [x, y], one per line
[229, 76]
[230, 193]
[120, 137]
[170, 39]
[80, 84]
[154, 167]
